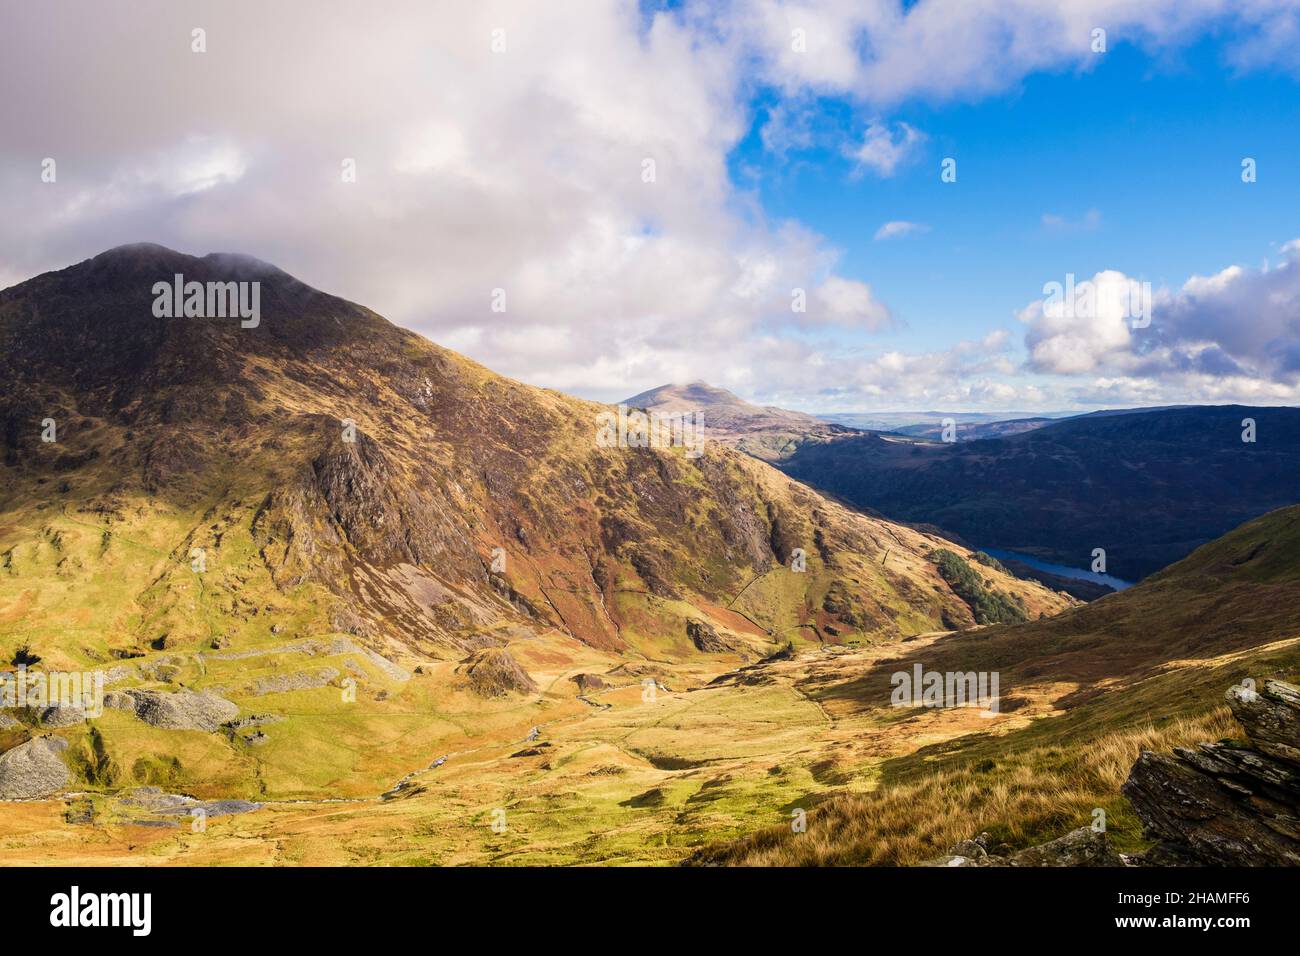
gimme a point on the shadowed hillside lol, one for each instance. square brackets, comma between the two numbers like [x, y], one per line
[1148, 487]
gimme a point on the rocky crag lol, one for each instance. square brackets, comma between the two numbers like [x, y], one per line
[1228, 803]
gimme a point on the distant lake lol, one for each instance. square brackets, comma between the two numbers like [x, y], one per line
[1079, 574]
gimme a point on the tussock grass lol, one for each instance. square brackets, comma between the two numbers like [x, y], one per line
[1022, 799]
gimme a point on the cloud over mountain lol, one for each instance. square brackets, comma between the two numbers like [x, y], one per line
[576, 157]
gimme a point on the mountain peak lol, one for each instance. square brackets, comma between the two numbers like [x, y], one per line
[696, 394]
[152, 257]
[765, 431]
[99, 321]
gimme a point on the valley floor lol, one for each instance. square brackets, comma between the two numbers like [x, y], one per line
[630, 775]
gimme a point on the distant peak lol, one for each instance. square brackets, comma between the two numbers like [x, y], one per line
[698, 391]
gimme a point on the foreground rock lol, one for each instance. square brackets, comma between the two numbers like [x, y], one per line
[1228, 804]
[33, 770]
[182, 710]
[1082, 847]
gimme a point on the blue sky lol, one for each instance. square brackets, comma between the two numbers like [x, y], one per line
[1137, 159]
[666, 192]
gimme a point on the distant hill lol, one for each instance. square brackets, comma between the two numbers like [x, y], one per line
[911, 423]
[971, 431]
[1148, 486]
[764, 431]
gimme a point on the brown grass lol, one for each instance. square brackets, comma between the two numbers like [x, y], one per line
[1030, 798]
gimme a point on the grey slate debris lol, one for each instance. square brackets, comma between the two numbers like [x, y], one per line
[34, 769]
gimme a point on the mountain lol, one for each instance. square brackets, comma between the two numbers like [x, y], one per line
[764, 431]
[1146, 486]
[312, 554]
[1134, 673]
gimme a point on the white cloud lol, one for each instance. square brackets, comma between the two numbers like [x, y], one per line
[1079, 326]
[897, 228]
[851, 303]
[523, 170]
[1230, 336]
[1088, 222]
[884, 52]
[883, 151]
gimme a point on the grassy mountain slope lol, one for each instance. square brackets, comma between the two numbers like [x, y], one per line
[1146, 668]
[370, 568]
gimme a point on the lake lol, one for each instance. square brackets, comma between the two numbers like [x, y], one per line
[1079, 574]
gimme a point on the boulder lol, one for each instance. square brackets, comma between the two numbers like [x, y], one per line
[62, 715]
[34, 769]
[493, 672]
[1081, 847]
[589, 682]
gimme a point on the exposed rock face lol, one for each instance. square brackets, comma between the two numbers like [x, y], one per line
[183, 710]
[1272, 719]
[705, 637]
[372, 508]
[1082, 847]
[1228, 804]
[33, 770]
[494, 673]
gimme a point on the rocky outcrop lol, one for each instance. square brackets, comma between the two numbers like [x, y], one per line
[182, 710]
[1228, 804]
[33, 770]
[1082, 847]
[353, 497]
[492, 672]
[705, 637]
